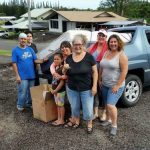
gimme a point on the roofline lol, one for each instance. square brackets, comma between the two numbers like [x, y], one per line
[61, 15]
[88, 11]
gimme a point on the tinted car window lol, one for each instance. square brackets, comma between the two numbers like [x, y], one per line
[148, 36]
[127, 34]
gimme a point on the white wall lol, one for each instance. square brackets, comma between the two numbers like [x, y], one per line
[59, 30]
[70, 25]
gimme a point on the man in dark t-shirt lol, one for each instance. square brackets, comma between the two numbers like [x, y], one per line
[33, 46]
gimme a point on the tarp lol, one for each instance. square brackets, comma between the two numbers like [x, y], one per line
[68, 36]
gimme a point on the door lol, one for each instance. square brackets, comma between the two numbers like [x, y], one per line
[64, 26]
[147, 44]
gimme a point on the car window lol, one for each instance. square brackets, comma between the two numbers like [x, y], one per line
[126, 35]
[148, 35]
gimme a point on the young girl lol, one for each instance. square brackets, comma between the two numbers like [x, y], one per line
[58, 89]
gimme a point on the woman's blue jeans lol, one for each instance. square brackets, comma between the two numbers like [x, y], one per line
[77, 98]
[24, 97]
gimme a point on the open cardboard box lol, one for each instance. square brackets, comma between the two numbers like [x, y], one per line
[44, 107]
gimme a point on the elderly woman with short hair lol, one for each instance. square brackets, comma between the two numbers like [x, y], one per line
[82, 81]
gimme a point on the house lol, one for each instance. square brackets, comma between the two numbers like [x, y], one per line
[37, 22]
[61, 21]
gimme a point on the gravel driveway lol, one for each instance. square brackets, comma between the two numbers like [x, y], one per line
[20, 131]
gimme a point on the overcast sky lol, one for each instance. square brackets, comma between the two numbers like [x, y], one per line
[82, 4]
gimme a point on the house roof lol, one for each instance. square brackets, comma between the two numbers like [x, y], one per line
[22, 25]
[35, 13]
[25, 25]
[18, 21]
[7, 18]
[90, 16]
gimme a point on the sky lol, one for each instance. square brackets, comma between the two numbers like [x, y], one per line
[81, 4]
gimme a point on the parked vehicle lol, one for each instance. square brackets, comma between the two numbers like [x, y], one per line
[138, 52]
[137, 48]
[4, 33]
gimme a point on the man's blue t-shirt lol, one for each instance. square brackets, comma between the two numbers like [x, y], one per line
[24, 59]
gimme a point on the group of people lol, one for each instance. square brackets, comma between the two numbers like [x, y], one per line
[88, 77]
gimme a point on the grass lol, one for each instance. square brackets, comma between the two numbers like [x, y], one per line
[5, 52]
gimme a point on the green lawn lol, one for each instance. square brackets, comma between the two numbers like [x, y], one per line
[5, 52]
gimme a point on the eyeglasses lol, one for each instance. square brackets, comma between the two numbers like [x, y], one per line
[101, 35]
[78, 45]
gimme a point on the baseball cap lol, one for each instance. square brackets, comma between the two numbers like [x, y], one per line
[103, 32]
[22, 35]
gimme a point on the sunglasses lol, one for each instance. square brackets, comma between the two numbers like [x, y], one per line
[77, 45]
[101, 35]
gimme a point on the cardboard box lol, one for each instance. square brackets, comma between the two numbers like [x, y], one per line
[43, 103]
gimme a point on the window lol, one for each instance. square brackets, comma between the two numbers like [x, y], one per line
[54, 24]
[125, 35]
[148, 36]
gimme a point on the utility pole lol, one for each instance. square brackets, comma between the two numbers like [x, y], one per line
[29, 15]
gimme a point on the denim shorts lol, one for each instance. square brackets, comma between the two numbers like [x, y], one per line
[76, 98]
[109, 97]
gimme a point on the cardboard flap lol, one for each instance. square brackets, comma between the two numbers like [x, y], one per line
[41, 92]
[45, 94]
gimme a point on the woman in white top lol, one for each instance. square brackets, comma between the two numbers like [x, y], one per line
[114, 67]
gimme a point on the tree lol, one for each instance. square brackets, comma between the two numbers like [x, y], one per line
[127, 8]
[116, 6]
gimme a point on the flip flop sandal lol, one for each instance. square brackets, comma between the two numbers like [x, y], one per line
[75, 126]
[56, 124]
[69, 124]
[89, 130]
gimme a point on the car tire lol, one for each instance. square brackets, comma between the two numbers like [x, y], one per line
[132, 92]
